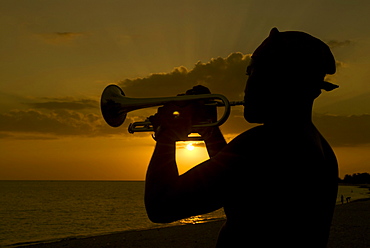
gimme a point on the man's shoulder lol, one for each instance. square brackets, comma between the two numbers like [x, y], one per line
[256, 132]
[247, 146]
[251, 136]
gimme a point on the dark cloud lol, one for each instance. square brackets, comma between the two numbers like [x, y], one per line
[58, 123]
[65, 103]
[356, 105]
[336, 43]
[183, 145]
[221, 75]
[47, 124]
[59, 38]
[68, 34]
[344, 130]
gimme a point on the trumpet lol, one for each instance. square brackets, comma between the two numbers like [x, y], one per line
[115, 106]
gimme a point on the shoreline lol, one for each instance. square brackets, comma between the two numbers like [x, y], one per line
[131, 232]
[350, 228]
[154, 237]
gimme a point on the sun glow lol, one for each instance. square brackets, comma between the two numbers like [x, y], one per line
[189, 154]
[190, 147]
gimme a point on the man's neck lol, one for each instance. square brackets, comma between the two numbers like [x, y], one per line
[298, 115]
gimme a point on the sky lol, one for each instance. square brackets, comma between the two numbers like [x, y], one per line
[58, 56]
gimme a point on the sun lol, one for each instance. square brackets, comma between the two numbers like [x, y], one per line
[190, 146]
[190, 154]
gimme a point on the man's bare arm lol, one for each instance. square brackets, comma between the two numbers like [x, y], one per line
[168, 196]
[213, 139]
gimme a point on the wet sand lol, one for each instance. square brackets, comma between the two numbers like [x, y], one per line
[350, 229]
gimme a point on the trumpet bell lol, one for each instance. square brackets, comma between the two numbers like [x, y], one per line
[110, 106]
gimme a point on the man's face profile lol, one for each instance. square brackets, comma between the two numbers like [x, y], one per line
[286, 73]
[260, 92]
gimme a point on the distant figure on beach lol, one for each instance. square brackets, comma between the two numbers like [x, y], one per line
[286, 153]
[342, 199]
[348, 199]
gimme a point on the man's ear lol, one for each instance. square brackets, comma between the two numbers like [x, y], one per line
[274, 32]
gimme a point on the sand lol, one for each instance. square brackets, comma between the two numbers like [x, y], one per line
[350, 229]
[351, 225]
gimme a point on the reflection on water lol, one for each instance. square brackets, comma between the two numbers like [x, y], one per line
[194, 220]
[198, 219]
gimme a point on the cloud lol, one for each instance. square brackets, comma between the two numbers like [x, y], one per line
[41, 124]
[49, 118]
[344, 130]
[355, 105]
[221, 75]
[57, 122]
[336, 43]
[59, 38]
[64, 103]
[183, 145]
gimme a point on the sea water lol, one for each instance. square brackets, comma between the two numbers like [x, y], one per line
[32, 211]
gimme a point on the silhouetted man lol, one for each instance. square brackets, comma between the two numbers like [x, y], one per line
[285, 155]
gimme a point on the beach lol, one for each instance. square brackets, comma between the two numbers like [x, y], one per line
[350, 229]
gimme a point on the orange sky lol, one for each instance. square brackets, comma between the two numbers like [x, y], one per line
[58, 56]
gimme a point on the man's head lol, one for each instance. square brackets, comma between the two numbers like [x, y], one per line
[287, 69]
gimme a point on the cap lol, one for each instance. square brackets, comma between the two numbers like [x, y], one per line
[298, 51]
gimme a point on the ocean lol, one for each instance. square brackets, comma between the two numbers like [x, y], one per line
[36, 211]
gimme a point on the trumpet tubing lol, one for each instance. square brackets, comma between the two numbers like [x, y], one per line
[115, 106]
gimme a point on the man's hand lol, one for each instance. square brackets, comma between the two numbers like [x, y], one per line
[172, 122]
[203, 113]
